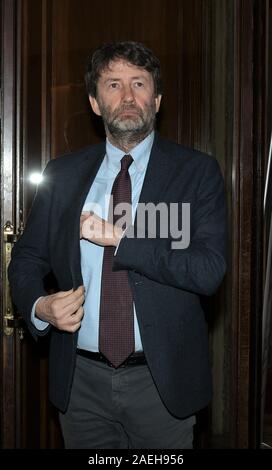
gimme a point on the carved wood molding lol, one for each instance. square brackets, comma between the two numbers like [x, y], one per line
[249, 143]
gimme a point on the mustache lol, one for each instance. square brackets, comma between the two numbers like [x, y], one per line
[127, 108]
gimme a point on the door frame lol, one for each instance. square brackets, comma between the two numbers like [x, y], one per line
[250, 151]
[10, 392]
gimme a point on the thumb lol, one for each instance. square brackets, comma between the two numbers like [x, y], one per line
[65, 293]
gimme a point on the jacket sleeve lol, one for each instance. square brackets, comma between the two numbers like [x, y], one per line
[201, 266]
[30, 258]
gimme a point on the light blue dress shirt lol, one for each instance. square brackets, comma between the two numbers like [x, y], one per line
[92, 254]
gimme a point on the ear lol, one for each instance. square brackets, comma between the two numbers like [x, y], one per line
[158, 102]
[94, 105]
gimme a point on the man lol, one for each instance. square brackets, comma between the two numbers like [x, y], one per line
[129, 355]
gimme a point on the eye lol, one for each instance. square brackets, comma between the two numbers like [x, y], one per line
[114, 85]
[138, 84]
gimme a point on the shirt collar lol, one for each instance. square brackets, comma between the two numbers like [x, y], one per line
[140, 154]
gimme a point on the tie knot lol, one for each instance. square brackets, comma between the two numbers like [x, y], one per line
[126, 162]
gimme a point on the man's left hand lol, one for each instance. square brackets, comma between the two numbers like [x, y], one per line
[98, 230]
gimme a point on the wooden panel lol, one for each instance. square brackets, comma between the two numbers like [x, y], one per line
[242, 204]
[76, 32]
[261, 84]
[250, 147]
[194, 74]
[9, 405]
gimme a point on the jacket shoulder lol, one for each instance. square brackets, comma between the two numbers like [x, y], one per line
[180, 152]
[68, 162]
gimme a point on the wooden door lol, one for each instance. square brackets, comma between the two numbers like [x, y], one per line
[27, 420]
[10, 342]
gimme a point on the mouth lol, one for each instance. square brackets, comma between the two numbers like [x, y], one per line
[130, 112]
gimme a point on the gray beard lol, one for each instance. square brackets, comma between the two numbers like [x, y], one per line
[129, 133]
[126, 134]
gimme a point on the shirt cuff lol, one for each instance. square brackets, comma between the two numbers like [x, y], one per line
[39, 324]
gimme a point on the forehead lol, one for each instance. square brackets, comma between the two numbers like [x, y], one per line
[120, 68]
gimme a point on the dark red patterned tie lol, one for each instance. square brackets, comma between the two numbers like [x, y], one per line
[116, 324]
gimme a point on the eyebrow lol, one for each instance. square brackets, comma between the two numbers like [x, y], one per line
[113, 79]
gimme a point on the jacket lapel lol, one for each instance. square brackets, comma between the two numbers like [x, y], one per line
[159, 173]
[86, 173]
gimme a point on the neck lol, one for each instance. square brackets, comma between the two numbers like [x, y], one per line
[126, 141]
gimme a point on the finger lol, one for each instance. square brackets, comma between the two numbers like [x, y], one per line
[83, 217]
[62, 294]
[74, 328]
[87, 229]
[76, 317]
[73, 294]
[63, 306]
[67, 319]
[69, 328]
[78, 293]
[82, 224]
[96, 217]
[81, 288]
[72, 307]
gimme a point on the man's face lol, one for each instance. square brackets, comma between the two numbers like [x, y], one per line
[126, 99]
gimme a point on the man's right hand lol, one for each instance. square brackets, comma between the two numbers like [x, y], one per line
[63, 310]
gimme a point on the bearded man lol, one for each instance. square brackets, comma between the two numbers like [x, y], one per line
[129, 362]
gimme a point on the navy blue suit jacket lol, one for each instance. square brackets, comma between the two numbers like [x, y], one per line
[166, 283]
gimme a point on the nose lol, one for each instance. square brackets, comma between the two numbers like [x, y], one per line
[128, 95]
